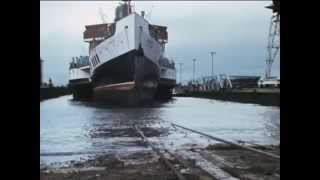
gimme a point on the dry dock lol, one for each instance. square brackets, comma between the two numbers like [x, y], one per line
[218, 161]
[180, 139]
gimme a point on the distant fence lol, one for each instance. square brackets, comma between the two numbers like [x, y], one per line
[222, 82]
[52, 92]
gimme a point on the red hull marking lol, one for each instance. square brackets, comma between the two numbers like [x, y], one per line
[120, 86]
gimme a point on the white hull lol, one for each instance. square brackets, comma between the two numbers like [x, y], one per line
[130, 32]
[79, 73]
[125, 57]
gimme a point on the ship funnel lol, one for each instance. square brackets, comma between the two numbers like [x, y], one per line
[123, 10]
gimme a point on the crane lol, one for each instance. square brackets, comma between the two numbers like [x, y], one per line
[273, 37]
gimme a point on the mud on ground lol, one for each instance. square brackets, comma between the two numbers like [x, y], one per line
[137, 166]
[245, 164]
[146, 165]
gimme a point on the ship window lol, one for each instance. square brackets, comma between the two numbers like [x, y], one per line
[95, 57]
[95, 60]
[98, 58]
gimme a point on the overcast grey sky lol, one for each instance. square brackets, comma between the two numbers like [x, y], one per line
[237, 31]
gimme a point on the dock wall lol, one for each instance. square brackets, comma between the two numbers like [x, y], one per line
[262, 98]
[52, 92]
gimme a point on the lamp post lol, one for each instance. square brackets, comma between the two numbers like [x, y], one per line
[180, 64]
[194, 69]
[41, 71]
[212, 53]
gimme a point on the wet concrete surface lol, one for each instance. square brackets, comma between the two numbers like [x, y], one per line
[82, 140]
[237, 162]
[128, 132]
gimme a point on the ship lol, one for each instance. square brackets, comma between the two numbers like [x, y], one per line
[125, 58]
[167, 80]
[79, 78]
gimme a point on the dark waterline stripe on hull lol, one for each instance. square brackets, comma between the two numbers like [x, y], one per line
[165, 81]
[127, 67]
[123, 79]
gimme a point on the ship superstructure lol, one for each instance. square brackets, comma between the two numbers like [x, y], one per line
[125, 57]
[79, 77]
[167, 79]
